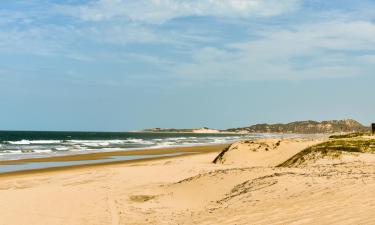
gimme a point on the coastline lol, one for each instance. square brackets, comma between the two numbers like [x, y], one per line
[160, 153]
[245, 184]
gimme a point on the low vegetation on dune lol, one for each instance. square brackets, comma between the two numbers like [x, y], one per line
[251, 145]
[333, 148]
[349, 135]
[262, 152]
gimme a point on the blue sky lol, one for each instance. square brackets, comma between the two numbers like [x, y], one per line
[116, 65]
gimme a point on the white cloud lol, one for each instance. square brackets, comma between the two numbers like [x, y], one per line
[303, 50]
[325, 50]
[156, 11]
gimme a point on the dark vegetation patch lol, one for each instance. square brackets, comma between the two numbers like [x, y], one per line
[141, 198]
[221, 155]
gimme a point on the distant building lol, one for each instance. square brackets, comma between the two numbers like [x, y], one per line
[373, 128]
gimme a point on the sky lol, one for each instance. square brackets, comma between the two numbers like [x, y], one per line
[124, 65]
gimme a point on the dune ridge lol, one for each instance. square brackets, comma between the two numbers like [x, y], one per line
[263, 152]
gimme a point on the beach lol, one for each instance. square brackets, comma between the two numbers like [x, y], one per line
[244, 184]
[187, 112]
[66, 162]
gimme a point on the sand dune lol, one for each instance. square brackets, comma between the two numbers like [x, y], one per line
[193, 190]
[263, 152]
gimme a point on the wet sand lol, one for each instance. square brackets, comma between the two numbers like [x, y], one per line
[158, 153]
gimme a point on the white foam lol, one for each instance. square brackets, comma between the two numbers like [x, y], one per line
[98, 143]
[42, 151]
[42, 148]
[139, 141]
[22, 142]
[12, 152]
[45, 142]
[61, 148]
[27, 142]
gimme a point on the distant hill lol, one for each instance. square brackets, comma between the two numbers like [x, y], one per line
[167, 130]
[202, 130]
[305, 127]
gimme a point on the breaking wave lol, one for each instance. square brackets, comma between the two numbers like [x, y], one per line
[39, 144]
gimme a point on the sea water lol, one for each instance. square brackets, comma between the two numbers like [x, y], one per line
[31, 144]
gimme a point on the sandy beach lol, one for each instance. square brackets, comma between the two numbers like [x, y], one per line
[187, 112]
[245, 184]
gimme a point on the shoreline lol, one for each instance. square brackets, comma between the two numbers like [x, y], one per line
[244, 185]
[161, 153]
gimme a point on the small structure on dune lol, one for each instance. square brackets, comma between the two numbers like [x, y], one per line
[373, 128]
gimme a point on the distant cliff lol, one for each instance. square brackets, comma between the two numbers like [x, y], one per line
[305, 127]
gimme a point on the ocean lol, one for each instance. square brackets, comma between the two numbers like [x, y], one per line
[31, 144]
